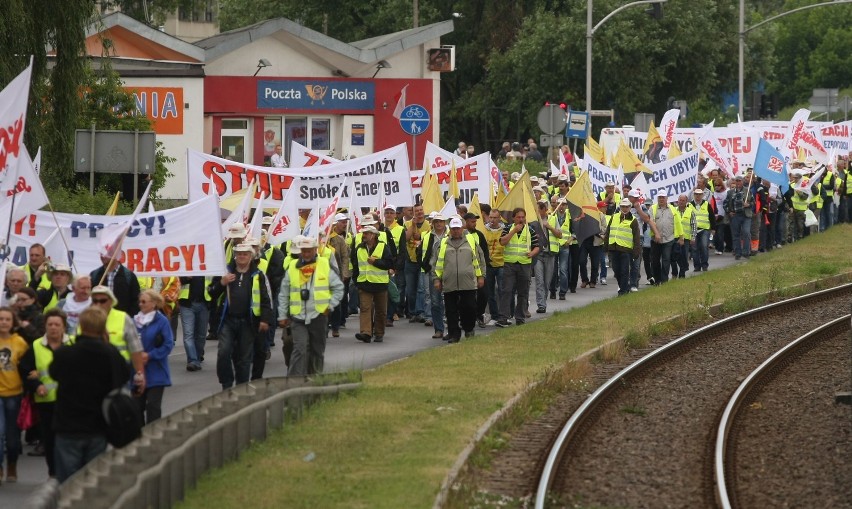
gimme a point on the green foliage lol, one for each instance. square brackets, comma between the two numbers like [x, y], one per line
[77, 200]
[533, 167]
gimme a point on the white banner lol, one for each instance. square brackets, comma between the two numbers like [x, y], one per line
[166, 243]
[673, 177]
[600, 176]
[837, 137]
[388, 169]
[473, 173]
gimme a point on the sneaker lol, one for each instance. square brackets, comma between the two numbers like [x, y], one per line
[552, 295]
[502, 323]
[192, 366]
[451, 339]
[413, 319]
[650, 282]
[634, 289]
[541, 310]
[438, 335]
[427, 323]
[378, 339]
[584, 284]
[335, 333]
[268, 354]
[363, 337]
[561, 296]
[719, 253]
[490, 322]
[603, 281]
[481, 323]
[591, 285]
[527, 314]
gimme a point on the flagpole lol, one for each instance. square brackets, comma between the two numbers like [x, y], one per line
[6, 251]
[62, 236]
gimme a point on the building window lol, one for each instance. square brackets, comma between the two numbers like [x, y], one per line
[228, 123]
[320, 134]
[295, 129]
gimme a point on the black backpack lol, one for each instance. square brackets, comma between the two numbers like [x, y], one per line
[123, 417]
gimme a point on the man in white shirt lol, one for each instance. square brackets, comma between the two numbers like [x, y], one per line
[277, 159]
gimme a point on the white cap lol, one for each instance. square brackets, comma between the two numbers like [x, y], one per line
[61, 267]
[251, 241]
[101, 289]
[368, 221]
[390, 207]
[341, 217]
[563, 178]
[369, 229]
[698, 191]
[244, 248]
[455, 223]
[237, 231]
[436, 216]
[306, 243]
[266, 220]
[662, 194]
[294, 244]
[626, 203]
[634, 193]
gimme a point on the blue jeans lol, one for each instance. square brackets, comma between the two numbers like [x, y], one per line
[74, 451]
[10, 435]
[589, 251]
[701, 250]
[236, 351]
[826, 218]
[634, 266]
[741, 232]
[680, 259]
[493, 284]
[414, 293]
[661, 260]
[602, 263]
[437, 308]
[563, 266]
[193, 320]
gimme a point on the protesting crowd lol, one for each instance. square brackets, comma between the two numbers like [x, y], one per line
[72, 342]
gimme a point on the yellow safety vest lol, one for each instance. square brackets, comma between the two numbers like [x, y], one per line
[320, 287]
[43, 359]
[495, 248]
[678, 228]
[184, 290]
[620, 232]
[800, 202]
[115, 329]
[849, 181]
[616, 197]
[702, 217]
[554, 240]
[686, 221]
[826, 181]
[442, 251]
[519, 245]
[370, 273]
[397, 231]
[817, 196]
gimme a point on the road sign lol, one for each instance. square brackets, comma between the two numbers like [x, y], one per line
[414, 119]
[578, 122]
[551, 140]
[552, 119]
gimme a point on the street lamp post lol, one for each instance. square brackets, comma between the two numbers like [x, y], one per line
[743, 31]
[590, 31]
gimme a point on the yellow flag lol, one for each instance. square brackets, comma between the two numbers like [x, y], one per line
[595, 151]
[454, 180]
[628, 159]
[114, 207]
[674, 150]
[521, 195]
[653, 137]
[474, 208]
[585, 216]
[432, 199]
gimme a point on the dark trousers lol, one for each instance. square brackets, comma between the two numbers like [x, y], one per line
[48, 437]
[74, 451]
[621, 268]
[461, 307]
[516, 280]
[680, 259]
[481, 302]
[574, 264]
[493, 285]
[151, 403]
[237, 337]
[661, 259]
[589, 250]
[308, 355]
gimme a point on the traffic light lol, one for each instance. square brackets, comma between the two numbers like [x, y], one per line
[656, 11]
[765, 106]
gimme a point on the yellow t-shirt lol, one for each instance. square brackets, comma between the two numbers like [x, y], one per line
[12, 350]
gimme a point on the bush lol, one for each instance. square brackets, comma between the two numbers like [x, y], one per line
[533, 167]
[79, 201]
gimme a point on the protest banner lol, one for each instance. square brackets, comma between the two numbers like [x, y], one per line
[601, 175]
[837, 137]
[303, 157]
[13, 117]
[673, 177]
[386, 171]
[173, 242]
[473, 174]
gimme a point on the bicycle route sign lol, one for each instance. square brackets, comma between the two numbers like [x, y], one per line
[414, 119]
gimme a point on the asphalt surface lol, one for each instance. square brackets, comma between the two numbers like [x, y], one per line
[342, 354]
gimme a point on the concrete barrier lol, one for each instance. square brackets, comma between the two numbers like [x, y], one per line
[156, 470]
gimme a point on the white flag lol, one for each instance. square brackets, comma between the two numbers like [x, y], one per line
[256, 223]
[13, 117]
[400, 104]
[794, 133]
[240, 214]
[668, 126]
[285, 222]
[311, 229]
[325, 220]
[113, 234]
[449, 209]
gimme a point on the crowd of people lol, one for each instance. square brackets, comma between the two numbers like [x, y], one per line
[66, 339]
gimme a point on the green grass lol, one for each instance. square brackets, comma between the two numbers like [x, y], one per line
[391, 444]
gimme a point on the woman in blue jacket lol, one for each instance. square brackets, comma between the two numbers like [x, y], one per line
[157, 341]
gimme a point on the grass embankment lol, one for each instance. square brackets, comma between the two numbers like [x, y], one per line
[391, 444]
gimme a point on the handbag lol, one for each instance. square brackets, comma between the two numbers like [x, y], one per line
[393, 292]
[27, 415]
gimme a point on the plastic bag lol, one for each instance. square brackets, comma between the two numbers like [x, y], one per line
[810, 218]
[27, 415]
[393, 292]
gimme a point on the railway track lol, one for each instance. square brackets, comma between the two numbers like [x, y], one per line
[646, 437]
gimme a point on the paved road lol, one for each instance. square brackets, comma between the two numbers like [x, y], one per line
[342, 354]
